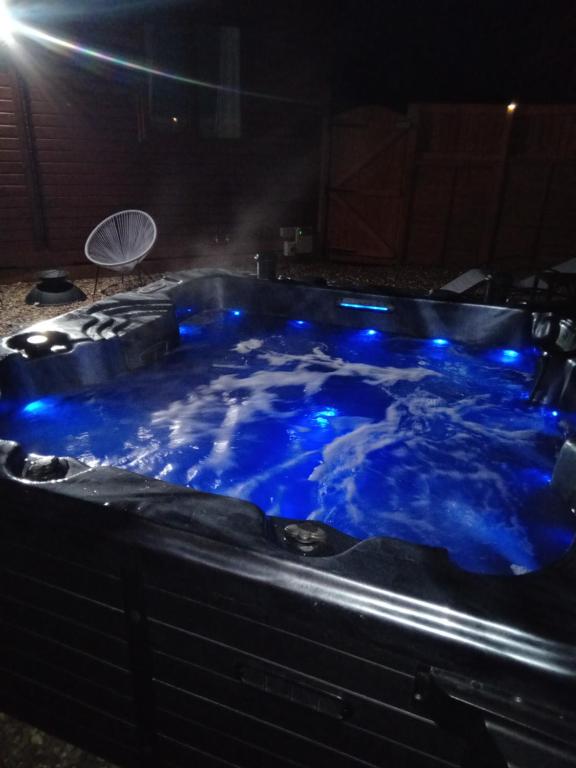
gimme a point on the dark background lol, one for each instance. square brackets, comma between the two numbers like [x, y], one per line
[387, 133]
[386, 51]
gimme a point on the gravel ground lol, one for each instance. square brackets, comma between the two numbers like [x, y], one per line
[15, 314]
[22, 746]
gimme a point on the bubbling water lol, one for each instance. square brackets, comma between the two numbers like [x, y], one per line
[374, 435]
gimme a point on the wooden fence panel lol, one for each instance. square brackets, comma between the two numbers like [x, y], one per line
[487, 186]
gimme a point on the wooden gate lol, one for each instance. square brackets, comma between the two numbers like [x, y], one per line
[371, 156]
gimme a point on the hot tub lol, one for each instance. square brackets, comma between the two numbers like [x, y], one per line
[255, 523]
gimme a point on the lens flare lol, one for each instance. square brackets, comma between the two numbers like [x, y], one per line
[45, 38]
[7, 25]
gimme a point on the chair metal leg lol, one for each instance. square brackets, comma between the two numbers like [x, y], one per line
[95, 283]
[145, 271]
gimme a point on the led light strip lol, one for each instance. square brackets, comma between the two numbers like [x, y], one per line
[356, 304]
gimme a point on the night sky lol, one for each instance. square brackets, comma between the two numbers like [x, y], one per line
[455, 50]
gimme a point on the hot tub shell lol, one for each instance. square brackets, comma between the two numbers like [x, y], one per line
[155, 625]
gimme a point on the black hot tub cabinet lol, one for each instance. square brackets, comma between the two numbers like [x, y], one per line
[158, 626]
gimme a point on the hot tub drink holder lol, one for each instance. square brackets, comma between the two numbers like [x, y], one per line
[155, 625]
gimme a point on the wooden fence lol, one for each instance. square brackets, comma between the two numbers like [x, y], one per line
[454, 185]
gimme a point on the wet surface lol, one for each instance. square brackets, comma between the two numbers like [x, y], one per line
[423, 440]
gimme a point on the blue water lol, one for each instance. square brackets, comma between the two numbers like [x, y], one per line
[376, 435]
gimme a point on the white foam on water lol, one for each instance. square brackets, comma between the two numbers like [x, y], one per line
[356, 449]
[519, 570]
[427, 460]
[236, 400]
[250, 345]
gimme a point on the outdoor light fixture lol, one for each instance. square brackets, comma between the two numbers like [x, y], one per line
[37, 339]
[6, 25]
[40, 343]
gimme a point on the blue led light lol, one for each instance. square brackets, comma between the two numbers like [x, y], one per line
[235, 312]
[36, 406]
[188, 331]
[506, 356]
[322, 418]
[371, 307]
[299, 323]
[440, 342]
[368, 335]
[327, 412]
[184, 312]
[520, 358]
[554, 413]
[535, 477]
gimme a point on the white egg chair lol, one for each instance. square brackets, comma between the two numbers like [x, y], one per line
[121, 242]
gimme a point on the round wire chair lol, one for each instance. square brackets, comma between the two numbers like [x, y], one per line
[121, 241]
